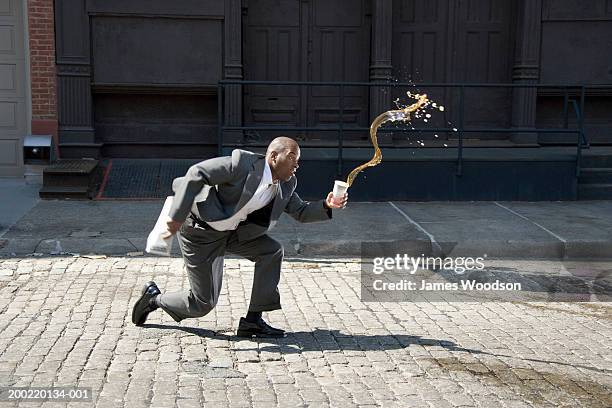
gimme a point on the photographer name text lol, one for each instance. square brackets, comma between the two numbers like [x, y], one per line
[425, 286]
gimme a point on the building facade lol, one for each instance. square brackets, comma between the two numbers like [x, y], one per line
[139, 78]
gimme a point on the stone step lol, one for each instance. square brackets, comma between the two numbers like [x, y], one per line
[62, 192]
[595, 192]
[596, 161]
[595, 176]
[71, 166]
[69, 178]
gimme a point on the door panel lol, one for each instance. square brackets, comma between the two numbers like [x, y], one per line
[456, 41]
[273, 48]
[483, 55]
[420, 54]
[13, 124]
[340, 52]
[273, 56]
[305, 41]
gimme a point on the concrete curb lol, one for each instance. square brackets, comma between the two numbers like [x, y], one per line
[552, 230]
[595, 250]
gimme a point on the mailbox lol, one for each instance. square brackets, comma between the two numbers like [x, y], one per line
[38, 149]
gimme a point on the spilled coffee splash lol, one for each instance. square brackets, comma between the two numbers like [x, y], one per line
[398, 115]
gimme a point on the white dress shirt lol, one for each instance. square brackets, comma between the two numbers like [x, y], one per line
[266, 191]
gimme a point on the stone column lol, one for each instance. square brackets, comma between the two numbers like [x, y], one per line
[526, 69]
[74, 76]
[232, 69]
[380, 64]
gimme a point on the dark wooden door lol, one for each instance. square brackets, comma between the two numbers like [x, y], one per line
[483, 54]
[420, 53]
[339, 50]
[317, 40]
[462, 41]
[274, 50]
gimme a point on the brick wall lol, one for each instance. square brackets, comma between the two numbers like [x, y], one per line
[42, 67]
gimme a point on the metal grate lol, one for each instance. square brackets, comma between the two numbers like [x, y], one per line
[143, 178]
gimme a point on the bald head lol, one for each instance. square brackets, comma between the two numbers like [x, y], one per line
[282, 156]
[281, 144]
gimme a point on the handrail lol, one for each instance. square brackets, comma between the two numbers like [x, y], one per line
[461, 130]
[578, 107]
[417, 84]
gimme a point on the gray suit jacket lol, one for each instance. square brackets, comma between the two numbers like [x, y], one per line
[216, 189]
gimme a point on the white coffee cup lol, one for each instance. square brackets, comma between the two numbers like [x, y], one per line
[340, 188]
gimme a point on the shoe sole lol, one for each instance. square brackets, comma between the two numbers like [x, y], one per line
[252, 335]
[138, 305]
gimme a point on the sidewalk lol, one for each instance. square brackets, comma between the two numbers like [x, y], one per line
[17, 197]
[530, 230]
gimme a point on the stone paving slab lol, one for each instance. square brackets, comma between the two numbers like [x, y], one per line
[583, 218]
[464, 226]
[52, 219]
[65, 321]
[585, 227]
[17, 197]
[116, 228]
[546, 230]
[550, 230]
[343, 236]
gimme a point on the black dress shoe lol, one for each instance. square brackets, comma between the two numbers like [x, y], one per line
[145, 304]
[258, 329]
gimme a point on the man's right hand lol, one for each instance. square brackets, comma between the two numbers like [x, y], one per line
[172, 227]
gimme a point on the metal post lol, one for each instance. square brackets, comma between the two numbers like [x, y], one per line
[565, 108]
[582, 102]
[341, 131]
[220, 119]
[581, 138]
[579, 144]
[461, 113]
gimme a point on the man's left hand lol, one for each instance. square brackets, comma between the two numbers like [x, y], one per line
[336, 202]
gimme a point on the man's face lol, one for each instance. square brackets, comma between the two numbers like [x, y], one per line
[285, 163]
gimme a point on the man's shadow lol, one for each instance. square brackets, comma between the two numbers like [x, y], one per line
[334, 340]
[320, 340]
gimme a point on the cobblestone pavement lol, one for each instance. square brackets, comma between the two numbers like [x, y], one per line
[66, 322]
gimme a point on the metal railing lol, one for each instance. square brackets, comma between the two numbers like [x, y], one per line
[567, 89]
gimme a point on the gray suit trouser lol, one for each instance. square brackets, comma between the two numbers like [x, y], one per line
[203, 251]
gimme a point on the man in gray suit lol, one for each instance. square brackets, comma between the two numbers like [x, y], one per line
[227, 204]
